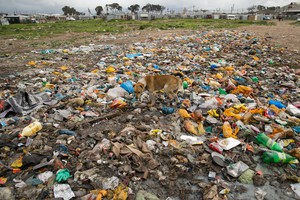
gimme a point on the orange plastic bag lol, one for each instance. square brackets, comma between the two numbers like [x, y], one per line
[186, 103]
[260, 111]
[255, 58]
[2, 180]
[118, 103]
[197, 115]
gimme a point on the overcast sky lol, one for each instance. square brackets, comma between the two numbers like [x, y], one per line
[54, 6]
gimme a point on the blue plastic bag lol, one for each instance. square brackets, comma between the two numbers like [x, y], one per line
[128, 86]
[278, 104]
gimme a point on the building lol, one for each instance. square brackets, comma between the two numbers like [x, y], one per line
[292, 10]
[18, 19]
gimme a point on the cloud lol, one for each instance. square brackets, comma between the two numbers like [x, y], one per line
[55, 6]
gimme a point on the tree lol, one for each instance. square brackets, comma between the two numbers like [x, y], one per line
[115, 7]
[260, 8]
[153, 8]
[66, 10]
[251, 9]
[71, 11]
[98, 10]
[147, 7]
[134, 8]
[159, 8]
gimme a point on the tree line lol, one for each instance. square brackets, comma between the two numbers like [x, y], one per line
[255, 8]
[115, 7]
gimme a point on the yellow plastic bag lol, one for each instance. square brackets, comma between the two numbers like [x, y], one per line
[247, 91]
[191, 127]
[121, 192]
[228, 132]
[95, 71]
[201, 129]
[190, 81]
[213, 113]
[275, 109]
[110, 69]
[230, 112]
[183, 113]
[257, 111]
[64, 68]
[56, 73]
[240, 107]
[31, 63]
[255, 58]
[219, 76]
[17, 163]
[214, 83]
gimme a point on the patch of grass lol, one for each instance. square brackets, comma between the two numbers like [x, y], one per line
[34, 31]
[297, 23]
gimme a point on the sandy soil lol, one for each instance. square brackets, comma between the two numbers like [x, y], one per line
[283, 33]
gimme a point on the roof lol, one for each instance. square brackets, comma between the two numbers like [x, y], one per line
[292, 7]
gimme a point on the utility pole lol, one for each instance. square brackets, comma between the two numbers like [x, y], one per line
[232, 8]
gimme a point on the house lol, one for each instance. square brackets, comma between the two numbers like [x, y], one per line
[117, 15]
[292, 10]
[17, 19]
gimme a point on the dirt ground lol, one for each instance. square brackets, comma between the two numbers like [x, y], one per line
[283, 33]
[15, 53]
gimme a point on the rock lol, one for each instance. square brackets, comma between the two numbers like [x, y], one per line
[247, 176]
[6, 193]
[259, 180]
[144, 195]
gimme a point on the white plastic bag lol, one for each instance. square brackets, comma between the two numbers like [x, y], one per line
[115, 93]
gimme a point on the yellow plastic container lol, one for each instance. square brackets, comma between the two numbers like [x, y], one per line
[31, 129]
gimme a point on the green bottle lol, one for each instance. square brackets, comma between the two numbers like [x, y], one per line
[268, 142]
[277, 157]
[254, 79]
[222, 91]
[185, 85]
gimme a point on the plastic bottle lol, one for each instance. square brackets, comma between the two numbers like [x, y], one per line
[277, 157]
[216, 147]
[268, 142]
[222, 91]
[185, 85]
[31, 129]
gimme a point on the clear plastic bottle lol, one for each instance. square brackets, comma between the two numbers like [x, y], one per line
[31, 129]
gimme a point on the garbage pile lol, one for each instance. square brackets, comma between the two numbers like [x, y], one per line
[74, 130]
